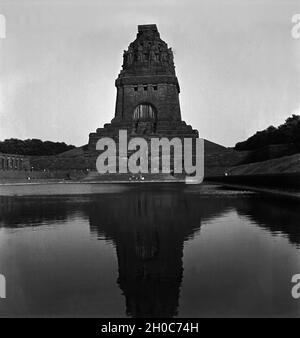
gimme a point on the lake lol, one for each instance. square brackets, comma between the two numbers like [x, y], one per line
[150, 251]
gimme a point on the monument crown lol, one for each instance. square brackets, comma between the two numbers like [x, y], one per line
[148, 54]
[150, 28]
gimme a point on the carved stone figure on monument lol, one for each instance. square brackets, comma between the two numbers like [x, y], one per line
[156, 51]
[130, 55]
[163, 56]
[152, 55]
[140, 54]
[125, 58]
[171, 57]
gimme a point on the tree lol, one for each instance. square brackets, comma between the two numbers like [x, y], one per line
[287, 133]
[34, 147]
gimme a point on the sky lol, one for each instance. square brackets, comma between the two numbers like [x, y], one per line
[237, 63]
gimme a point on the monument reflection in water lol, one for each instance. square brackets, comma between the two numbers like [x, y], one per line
[149, 231]
[232, 267]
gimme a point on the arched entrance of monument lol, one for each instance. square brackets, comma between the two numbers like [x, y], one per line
[144, 118]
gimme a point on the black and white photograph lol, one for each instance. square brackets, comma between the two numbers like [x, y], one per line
[149, 162]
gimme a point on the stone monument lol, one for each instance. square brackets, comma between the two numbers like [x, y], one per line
[147, 103]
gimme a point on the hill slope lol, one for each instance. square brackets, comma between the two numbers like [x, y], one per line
[282, 165]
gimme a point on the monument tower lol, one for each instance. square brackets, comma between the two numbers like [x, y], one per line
[147, 102]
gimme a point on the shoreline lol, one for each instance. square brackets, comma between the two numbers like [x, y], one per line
[275, 191]
[48, 188]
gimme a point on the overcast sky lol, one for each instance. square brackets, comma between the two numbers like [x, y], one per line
[236, 61]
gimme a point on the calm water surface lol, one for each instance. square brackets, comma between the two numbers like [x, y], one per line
[149, 253]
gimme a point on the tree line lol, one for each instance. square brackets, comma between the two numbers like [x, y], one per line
[34, 147]
[287, 133]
